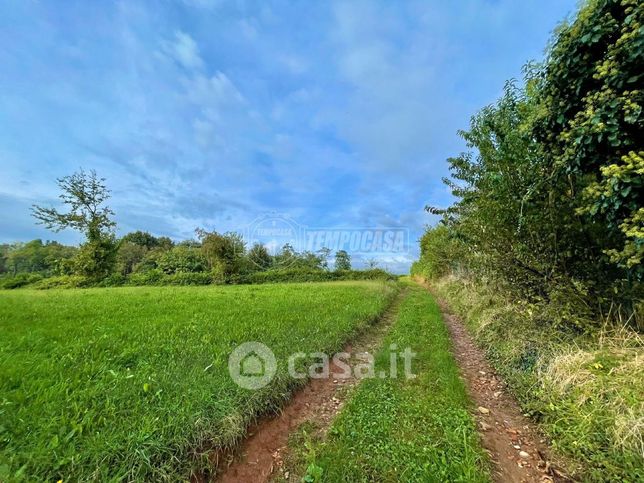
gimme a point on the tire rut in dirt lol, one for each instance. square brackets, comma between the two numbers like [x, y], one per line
[260, 456]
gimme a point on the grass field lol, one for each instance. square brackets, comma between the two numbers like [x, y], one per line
[416, 430]
[132, 383]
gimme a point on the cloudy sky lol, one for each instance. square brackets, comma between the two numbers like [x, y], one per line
[211, 113]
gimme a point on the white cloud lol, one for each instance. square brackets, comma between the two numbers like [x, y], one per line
[213, 92]
[184, 50]
[293, 63]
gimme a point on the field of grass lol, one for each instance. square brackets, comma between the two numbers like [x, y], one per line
[405, 430]
[132, 383]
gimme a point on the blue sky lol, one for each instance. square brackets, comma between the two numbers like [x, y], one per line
[211, 113]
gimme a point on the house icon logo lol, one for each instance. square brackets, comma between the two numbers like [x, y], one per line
[252, 365]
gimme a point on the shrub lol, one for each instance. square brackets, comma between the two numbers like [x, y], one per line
[309, 275]
[150, 277]
[182, 259]
[63, 281]
[187, 278]
[439, 253]
[549, 195]
[96, 259]
[157, 277]
[19, 280]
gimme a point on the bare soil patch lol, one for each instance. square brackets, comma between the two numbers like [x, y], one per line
[260, 457]
[519, 453]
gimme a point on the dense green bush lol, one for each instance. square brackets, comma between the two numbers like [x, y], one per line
[182, 259]
[96, 259]
[590, 125]
[439, 253]
[63, 281]
[186, 278]
[19, 280]
[156, 277]
[149, 277]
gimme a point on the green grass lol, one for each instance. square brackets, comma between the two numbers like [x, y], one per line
[405, 430]
[132, 383]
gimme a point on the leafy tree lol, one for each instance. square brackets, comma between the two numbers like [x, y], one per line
[142, 239]
[96, 258]
[129, 255]
[4, 251]
[590, 128]
[309, 260]
[342, 260]
[85, 194]
[150, 260]
[549, 195]
[258, 255]
[26, 257]
[164, 243]
[224, 253]
[324, 253]
[182, 259]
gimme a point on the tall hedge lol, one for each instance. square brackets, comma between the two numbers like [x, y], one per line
[550, 194]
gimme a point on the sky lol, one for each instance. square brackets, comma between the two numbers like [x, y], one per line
[212, 113]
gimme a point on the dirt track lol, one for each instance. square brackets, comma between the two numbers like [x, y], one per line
[261, 455]
[517, 451]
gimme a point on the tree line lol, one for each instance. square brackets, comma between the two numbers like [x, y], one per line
[549, 196]
[141, 257]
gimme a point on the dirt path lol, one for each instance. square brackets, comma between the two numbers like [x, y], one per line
[517, 450]
[261, 455]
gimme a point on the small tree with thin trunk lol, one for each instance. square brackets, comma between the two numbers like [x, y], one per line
[84, 193]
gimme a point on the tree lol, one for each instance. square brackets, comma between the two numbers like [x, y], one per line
[164, 243]
[342, 260]
[549, 199]
[85, 194]
[258, 255]
[182, 259]
[286, 257]
[324, 254]
[142, 239]
[309, 260]
[35, 256]
[590, 128]
[4, 251]
[129, 255]
[224, 253]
